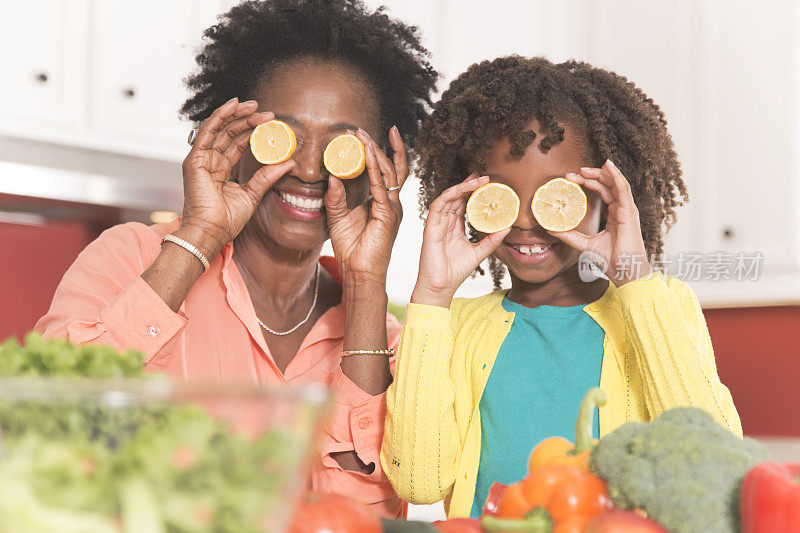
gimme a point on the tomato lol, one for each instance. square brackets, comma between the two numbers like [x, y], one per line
[331, 513]
[493, 499]
[623, 522]
[459, 525]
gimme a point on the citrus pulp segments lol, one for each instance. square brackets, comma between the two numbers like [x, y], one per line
[344, 157]
[559, 205]
[492, 207]
[272, 142]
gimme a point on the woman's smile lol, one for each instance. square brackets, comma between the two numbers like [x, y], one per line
[301, 203]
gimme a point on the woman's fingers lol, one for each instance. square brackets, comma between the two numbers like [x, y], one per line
[237, 147]
[210, 126]
[400, 155]
[377, 187]
[335, 200]
[386, 168]
[265, 177]
[204, 140]
[239, 125]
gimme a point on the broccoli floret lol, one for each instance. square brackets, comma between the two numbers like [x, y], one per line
[684, 469]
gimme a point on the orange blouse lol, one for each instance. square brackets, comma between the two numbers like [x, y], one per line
[215, 335]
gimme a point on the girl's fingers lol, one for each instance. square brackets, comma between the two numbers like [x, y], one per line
[450, 200]
[596, 186]
[577, 178]
[335, 200]
[265, 177]
[377, 187]
[239, 125]
[590, 173]
[622, 188]
[400, 156]
[490, 243]
[573, 238]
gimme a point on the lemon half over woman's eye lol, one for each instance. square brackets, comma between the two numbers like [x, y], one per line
[344, 157]
[272, 142]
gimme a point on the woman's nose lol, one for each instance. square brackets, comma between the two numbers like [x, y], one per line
[309, 164]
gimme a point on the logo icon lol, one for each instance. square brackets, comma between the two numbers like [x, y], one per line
[591, 266]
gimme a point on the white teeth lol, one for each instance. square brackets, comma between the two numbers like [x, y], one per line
[536, 249]
[301, 202]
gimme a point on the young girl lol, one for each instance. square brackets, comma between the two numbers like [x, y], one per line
[479, 382]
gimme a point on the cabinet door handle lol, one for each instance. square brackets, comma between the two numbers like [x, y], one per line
[130, 92]
[41, 77]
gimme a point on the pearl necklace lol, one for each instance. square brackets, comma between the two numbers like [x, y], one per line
[313, 305]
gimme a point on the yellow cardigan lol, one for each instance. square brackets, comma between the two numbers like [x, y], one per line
[657, 355]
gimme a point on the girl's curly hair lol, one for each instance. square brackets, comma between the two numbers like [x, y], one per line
[502, 97]
[256, 35]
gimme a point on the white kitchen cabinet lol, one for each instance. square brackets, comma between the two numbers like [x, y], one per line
[101, 74]
[42, 68]
[140, 54]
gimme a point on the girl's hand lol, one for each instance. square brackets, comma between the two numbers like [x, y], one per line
[363, 237]
[215, 209]
[448, 257]
[620, 244]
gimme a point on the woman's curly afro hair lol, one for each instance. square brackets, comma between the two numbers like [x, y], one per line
[502, 97]
[253, 36]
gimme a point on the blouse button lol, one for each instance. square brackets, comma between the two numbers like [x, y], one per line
[363, 423]
[153, 331]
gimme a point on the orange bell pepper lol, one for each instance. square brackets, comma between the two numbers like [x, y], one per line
[560, 451]
[552, 499]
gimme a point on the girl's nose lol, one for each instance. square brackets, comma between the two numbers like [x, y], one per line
[525, 218]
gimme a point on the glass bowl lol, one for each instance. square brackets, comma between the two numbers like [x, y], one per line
[152, 456]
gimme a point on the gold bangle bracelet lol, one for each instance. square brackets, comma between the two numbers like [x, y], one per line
[348, 353]
[192, 249]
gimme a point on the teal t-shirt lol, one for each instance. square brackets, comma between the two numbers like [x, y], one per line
[550, 358]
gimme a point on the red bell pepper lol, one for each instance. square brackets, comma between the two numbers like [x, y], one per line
[770, 499]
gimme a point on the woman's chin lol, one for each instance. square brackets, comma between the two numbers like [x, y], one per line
[293, 234]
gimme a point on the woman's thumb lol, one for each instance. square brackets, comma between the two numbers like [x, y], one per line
[265, 177]
[335, 199]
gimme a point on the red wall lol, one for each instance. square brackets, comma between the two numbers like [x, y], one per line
[758, 358]
[33, 260]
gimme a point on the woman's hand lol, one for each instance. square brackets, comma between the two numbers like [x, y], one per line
[215, 209]
[363, 237]
[620, 245]
[448, 257]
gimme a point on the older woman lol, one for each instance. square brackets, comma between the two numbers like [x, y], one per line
[268, 309]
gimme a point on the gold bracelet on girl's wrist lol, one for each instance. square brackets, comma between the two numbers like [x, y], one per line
[388, 353]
